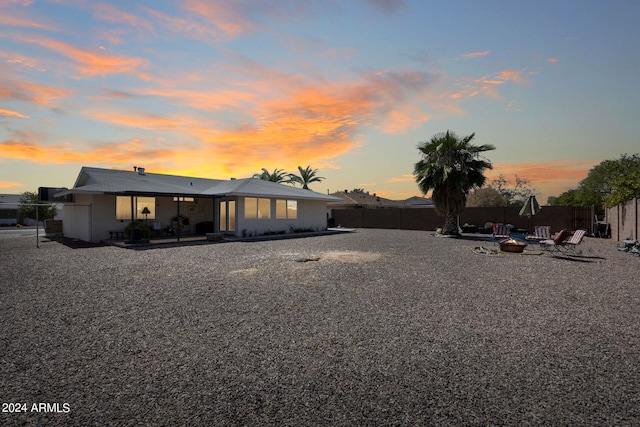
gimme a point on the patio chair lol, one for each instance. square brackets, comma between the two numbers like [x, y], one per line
[572, 243]
[500, 231]
[556, 242]
[540, 233]
[564, 241]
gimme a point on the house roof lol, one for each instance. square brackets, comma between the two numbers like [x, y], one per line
[111, 181]
[418, 201]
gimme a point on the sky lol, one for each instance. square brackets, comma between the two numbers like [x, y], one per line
[224, 88]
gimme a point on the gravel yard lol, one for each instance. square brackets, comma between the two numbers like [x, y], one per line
[372, 328]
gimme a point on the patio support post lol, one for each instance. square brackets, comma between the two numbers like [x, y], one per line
[178, 220]
[37, 228]
[131, 232]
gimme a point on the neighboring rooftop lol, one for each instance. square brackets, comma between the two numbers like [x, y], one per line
[355, 200]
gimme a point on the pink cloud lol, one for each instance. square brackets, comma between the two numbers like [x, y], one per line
[110, 13]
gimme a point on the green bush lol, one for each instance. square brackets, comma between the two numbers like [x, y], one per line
[141, 231]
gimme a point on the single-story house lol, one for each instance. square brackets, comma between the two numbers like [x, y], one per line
[9, 204]
[103, 202]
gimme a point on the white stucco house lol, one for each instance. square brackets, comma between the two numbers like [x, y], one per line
[103, 202]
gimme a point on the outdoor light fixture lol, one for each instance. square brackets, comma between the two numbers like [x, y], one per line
[145, 212]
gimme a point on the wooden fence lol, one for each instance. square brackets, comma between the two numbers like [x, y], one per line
[557, 217]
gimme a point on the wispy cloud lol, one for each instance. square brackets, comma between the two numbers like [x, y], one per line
[10, 113]
[474, 54]
[10, 184]
[91, 63]
[29, 91]
[109, 13]
[488, 86]
[15, 21]
[230, 18]
[404, 178]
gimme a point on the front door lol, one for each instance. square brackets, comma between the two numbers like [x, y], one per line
[228, 216]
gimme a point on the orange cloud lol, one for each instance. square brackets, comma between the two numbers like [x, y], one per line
[512, 75]
[404, 178]
[119, 154]
[10, 184]
[92, 63]
[550, 178]
[10, 113]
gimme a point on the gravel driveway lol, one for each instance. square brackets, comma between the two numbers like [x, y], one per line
[372, 328]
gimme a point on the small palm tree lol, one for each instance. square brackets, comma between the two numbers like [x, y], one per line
[278, 175]
[451, 167]
[306, 177]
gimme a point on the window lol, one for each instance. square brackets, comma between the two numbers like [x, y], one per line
[123, 207]
[257, 208]
[264, 208]
[286, 209]
[250, 207]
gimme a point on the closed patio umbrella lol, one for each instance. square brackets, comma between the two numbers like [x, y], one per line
[530, 208]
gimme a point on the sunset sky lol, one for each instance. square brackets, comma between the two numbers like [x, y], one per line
[223, 88]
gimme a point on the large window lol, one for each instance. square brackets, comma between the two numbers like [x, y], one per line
[257, 208]
[286, 209]
[123, 207]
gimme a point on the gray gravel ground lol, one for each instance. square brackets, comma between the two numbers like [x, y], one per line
[376, 328]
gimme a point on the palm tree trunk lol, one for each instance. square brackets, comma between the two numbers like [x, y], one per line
[450, 224]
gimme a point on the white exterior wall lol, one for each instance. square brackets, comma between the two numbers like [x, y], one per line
[92, 217]
[77, 222]
[311, 215]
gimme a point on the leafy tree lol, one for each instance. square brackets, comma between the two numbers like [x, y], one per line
[306, 177]
[516, 195]
[609, 183]
[359, 191]
[278, 175]
[625, 184]
[486, 197]
[451, 167]
[27, 208]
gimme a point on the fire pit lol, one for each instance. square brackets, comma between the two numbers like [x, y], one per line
[512, 245]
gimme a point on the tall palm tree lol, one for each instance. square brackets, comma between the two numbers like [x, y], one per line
[451, 167]
[278, 175]
[306, 177]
